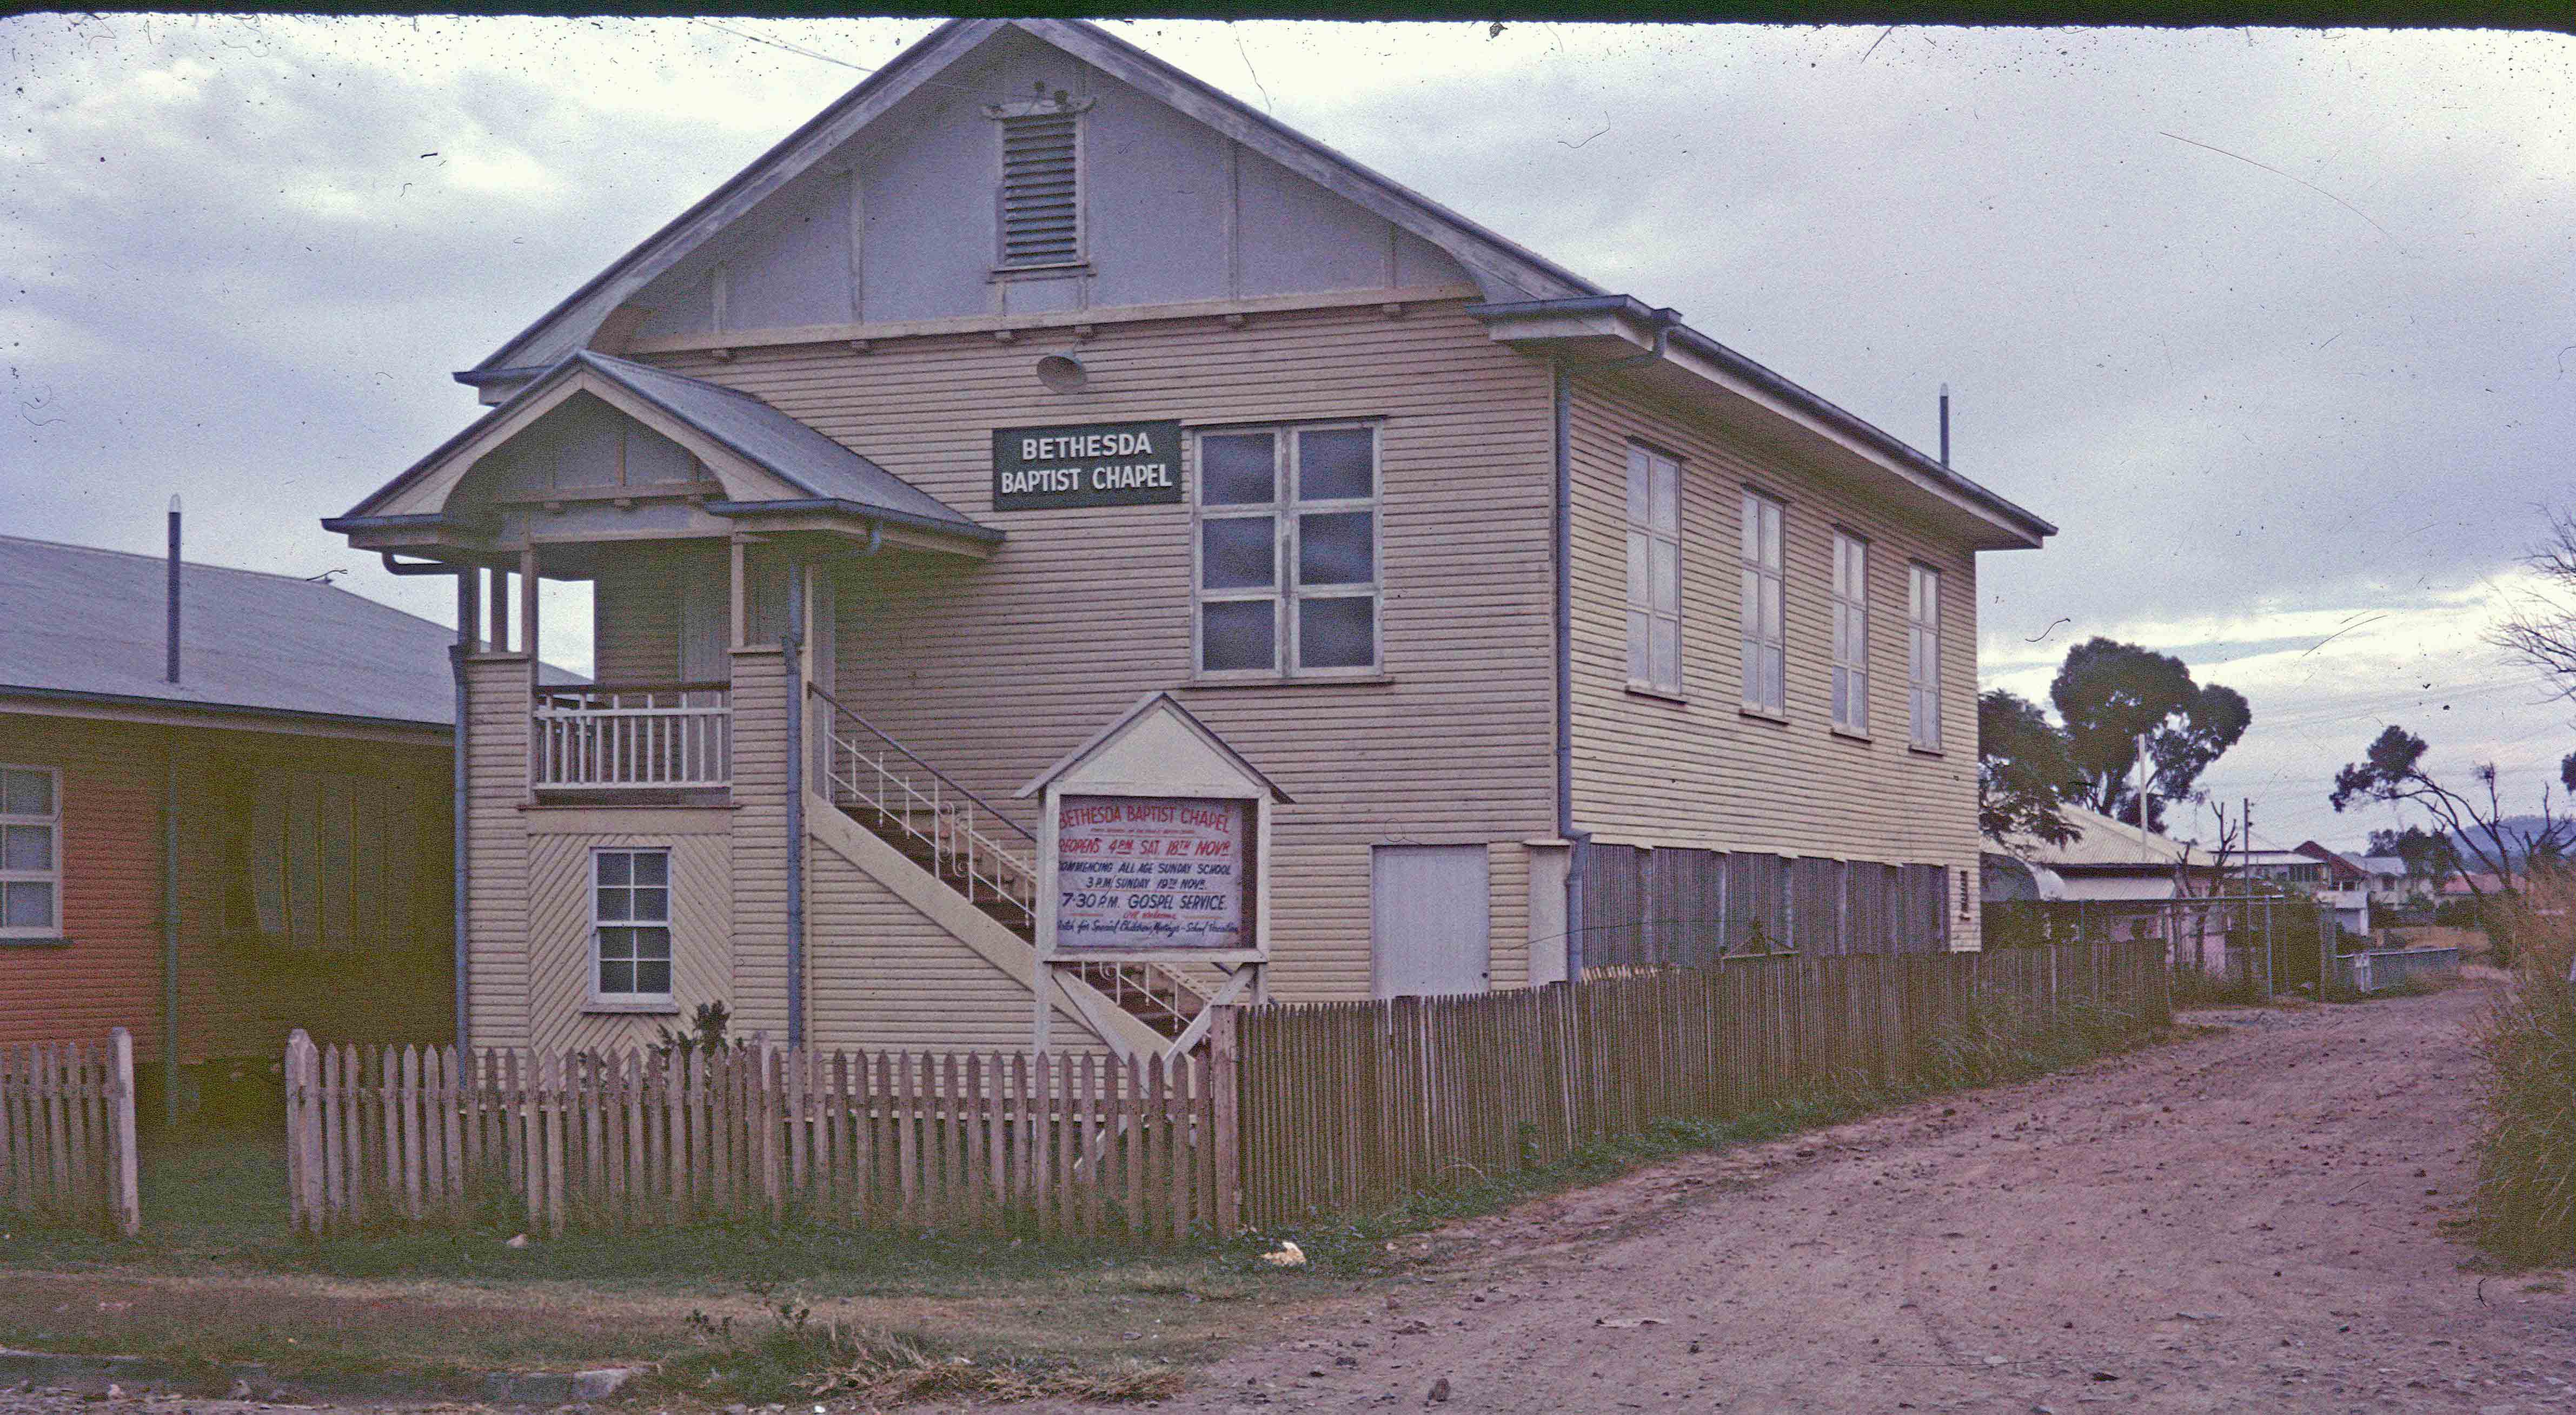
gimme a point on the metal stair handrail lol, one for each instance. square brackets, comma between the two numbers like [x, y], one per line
[955, 835]
[866, 776]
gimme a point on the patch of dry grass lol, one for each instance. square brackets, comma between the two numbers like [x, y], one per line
[2526, 1202]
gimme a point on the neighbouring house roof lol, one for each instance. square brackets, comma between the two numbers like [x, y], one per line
[88, 625]
[2384, 864]
[832, 477]
[2337, 863]
[1516, 283]
[2486, 883]
[2105, 845]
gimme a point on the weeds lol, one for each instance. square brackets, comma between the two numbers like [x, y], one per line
[2526, 1150]
[795, 1358]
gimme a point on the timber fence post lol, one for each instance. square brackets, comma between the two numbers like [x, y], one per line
[124, 1173]
[1225, 1080]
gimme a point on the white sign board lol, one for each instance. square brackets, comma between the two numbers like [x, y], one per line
[1150, 872]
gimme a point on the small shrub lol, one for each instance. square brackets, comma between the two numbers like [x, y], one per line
[2526, 1149]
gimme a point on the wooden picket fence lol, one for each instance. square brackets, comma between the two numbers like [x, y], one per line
[1352, 1106]
[67, 1132]
[1060, 1144]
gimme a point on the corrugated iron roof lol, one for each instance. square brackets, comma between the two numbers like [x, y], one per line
[780, 444]
[2105, 844]
[88, 623]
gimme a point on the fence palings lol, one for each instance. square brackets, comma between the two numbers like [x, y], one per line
[1348, 1106]
[67, 1132]
[428, 1136]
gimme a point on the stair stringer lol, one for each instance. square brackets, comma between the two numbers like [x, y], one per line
[935, 900]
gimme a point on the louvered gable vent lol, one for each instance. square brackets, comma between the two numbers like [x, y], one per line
[1041, 202]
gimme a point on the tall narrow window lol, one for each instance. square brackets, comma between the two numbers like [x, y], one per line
[1923, 655]
[1041, 196]
[1851, 633]
[631, 925]
[1654, 572]
[1287, 552]
[31, 852]
[1765, 654]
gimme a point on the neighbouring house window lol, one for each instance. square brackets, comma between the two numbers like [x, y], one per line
[1041, 196]
[1287, 569]
[1654, 571]
[31, 852]
[1923, 656]
[1851, 632]
[631, 925]
[1765, 652]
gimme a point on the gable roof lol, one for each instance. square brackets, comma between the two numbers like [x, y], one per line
[1163, 703]
[1512, 278]
[831, 475]
[1505, 269]
[86, 624]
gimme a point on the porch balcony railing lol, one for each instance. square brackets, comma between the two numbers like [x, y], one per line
[676, 737]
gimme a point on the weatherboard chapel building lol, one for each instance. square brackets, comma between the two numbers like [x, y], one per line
[1055, 531]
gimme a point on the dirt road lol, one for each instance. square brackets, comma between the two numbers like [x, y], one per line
[2248, 1220]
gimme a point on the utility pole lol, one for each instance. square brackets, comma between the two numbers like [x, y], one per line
[2143, 778]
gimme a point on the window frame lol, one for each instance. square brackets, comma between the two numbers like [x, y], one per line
[52, 822]
[1003, 115]
[1851, 623]
[599, 997]
[1637, 575]
[1923, 727]
[1776, 644]
[1286, 592]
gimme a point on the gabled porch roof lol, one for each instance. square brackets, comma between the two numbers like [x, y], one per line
[772, 467]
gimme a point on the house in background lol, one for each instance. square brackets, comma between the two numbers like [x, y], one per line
[1037, 418]
[2339, 884]
[261, 845]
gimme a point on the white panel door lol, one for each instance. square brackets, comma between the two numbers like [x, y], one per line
[1430, 919]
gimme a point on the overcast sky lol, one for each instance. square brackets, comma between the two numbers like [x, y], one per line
[2278, 326]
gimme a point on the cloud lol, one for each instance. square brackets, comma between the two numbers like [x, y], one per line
[243, 252]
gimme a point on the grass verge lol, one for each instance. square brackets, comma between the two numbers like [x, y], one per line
[2526, 1149]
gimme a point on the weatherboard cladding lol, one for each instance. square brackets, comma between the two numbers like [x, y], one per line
[90, 623]
[993, 673]
[1701, 772]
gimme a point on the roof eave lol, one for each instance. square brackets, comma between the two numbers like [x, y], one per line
[1627, 320]
[195, 707]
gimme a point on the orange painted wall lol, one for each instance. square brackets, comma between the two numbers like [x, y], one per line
[239, 994]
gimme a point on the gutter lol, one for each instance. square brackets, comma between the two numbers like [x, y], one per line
[1561, 553]
[792, 645]
[188, 705]
[842, 507]
[468, 611]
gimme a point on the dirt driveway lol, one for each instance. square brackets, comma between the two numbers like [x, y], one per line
[2248, 1220]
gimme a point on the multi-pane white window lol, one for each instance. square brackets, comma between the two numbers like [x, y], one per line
[1288, 552]
[1851, 632]
[1923, 655]
[1654, 571]
[31, 852]
[1765, 651]
[631, 925]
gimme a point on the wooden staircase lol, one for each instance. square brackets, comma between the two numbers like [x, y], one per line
[974, 849]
